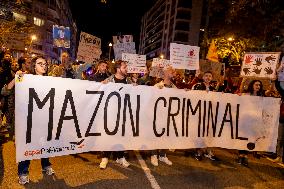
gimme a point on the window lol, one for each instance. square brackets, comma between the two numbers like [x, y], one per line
[183, 14]
[181, 25]
[38, 21]
[185, 3]
[49, 37]
[181, 37]
[40, 11]
[52, 4]
[19, 17]
[37, 47]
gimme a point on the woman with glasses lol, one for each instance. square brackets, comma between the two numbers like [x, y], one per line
[39, 67]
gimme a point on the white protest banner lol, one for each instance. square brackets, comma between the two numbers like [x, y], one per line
[281, 70]
[135, 62]
[260, 64]
[89, 48]
[157, 67]
[59, 116]
[122, 39]
[184, 56]
[123, 48]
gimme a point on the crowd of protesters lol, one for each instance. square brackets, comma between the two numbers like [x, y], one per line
[103, 71]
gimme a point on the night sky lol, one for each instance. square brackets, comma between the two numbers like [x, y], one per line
[105, 20]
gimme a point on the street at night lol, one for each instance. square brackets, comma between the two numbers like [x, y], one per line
[82, 171]
[138, 94]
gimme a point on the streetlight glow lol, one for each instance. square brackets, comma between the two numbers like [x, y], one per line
[162, 56]
[230, 39]
[34, 37]
[110, 44]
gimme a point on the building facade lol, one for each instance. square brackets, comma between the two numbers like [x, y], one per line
[42, 15]
[170, 21]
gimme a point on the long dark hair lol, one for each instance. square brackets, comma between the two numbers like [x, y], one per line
[250, 88]
[33, 63]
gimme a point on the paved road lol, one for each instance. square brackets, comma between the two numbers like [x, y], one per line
[82, 171]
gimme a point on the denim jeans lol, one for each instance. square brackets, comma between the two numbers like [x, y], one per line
[23, 166]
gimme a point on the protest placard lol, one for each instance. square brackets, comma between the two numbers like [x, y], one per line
[260, 64]
[61, 36]
[89, 48]
[157, 68]
[184, 56]
[123, 48]
[122, 39]
[135, 62]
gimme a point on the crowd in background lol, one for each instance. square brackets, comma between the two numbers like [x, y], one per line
[104, 71]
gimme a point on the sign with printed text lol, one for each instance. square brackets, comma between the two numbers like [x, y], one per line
[184, 56]
[61, 36]
[123, 48]
[158, 65]
[260, 65]
[134, 62]
[89, 49]
[59, 116]
[122, 39]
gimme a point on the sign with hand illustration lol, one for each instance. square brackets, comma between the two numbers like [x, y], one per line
[260, 64]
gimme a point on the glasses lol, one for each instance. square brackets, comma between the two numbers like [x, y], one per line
[42, 64]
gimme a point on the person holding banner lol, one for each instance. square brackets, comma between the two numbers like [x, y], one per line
[255, 88]
[169, 73]
[205, 85]
[120, 76]
[38, 67]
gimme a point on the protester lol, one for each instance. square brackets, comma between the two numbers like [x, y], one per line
[102, 72]
[38, 67]
[169, 73]
[120, 76]
[255, 88]
[205, 85]
[65, 69]
[9, 95]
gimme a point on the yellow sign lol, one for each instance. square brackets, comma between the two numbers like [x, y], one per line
[212, 52]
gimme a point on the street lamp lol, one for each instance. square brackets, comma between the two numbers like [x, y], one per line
[33, 37]
[110, 45]
[162, 56]
[231, 39]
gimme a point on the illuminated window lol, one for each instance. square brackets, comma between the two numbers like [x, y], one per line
[38, 21]
[19, 17]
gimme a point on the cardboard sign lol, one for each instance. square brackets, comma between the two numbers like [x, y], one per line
[89, 49]
[260, 65]
[123, 48]
[158, 65]
[135, 62]
[184, 56]
[122, 39]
